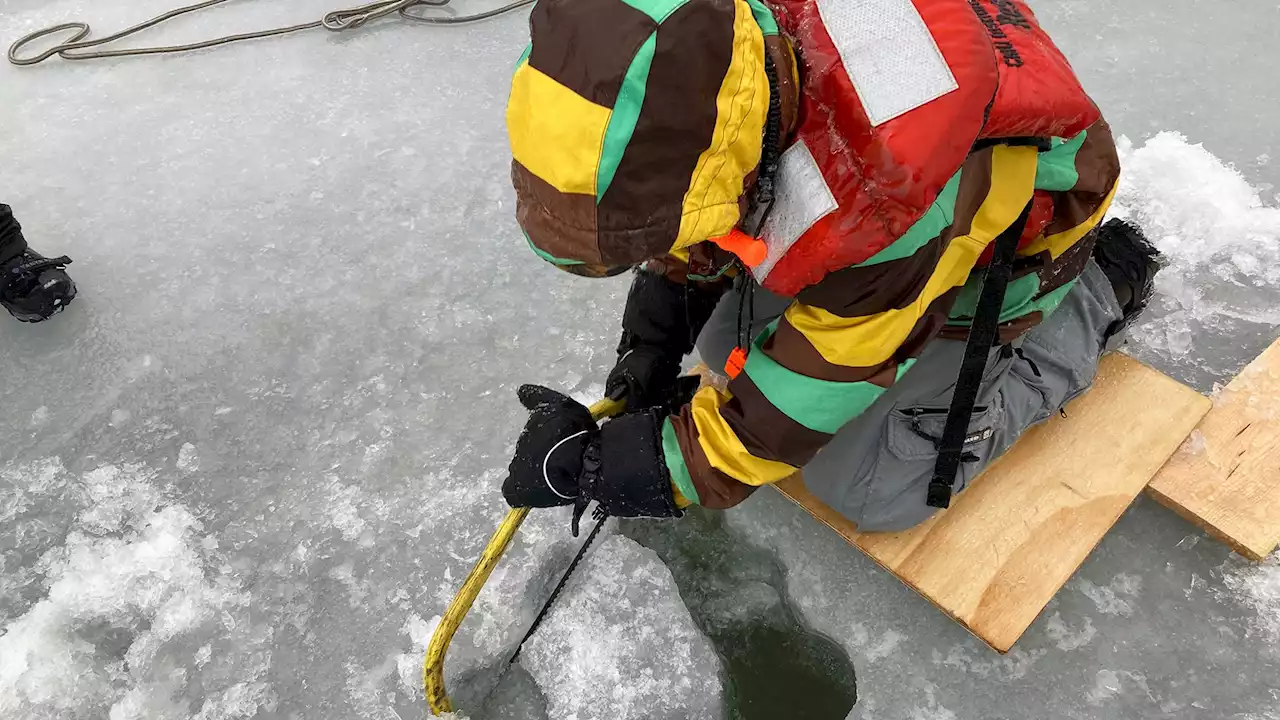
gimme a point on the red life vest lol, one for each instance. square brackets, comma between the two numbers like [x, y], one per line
[895, 95]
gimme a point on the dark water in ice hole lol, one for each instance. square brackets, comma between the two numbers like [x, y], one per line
[775, 665]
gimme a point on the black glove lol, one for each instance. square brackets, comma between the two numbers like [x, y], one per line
[647, 377]
[564, 458]
[548, 459]
[659, 325]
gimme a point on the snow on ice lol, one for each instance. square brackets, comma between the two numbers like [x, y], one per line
[1257, 586]
[1222, 246]
[124, 595]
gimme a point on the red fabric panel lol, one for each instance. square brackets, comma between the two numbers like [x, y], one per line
[1039, 93]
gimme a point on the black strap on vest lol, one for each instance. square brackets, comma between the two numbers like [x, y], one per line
[982, 336]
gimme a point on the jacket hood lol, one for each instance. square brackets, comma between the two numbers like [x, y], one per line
[636, 127]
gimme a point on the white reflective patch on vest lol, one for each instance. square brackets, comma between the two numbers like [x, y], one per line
[890, 56]
[801, 198]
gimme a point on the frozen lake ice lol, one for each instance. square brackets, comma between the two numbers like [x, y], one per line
[244, 473]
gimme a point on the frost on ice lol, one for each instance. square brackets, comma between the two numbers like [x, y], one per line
[1258, 588]
[131, 578]
[620, 645]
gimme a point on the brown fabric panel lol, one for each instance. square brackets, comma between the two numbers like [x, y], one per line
[860, 291]
[562, 224]
[1097, 164]
[975, 184]
[1098, 168]
[716, 490]
[766, 431]
[587, 46]
[1005, 334]
[1068, 265]
[639, 215]
[928, 327]
[791, 349]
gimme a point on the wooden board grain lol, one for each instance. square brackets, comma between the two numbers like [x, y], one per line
[1226, 478]
[1010, 541]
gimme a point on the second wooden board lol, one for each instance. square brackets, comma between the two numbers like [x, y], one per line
[1226, 479]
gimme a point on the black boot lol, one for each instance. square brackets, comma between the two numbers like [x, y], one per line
[35, 288]
[1131, 264]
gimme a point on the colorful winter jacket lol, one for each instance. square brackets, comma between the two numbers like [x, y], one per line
[621, 157]
[846, 339]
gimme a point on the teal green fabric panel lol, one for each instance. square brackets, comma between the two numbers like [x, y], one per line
[821, 405]
[1020, 299]
[764, 17]
[1056, 171]
[626, 111]
[674, 458]
[1049, 302]
[938, 217]
[548, 256]
[658, 10]
[1019, 293]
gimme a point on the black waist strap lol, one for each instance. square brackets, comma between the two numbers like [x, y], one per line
[982, 336]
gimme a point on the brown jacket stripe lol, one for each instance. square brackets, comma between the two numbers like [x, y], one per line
[790, 348]
[692, 54]
[775, 436]
[1097, 167]
[872, 289]
[1068, 265]
[862, 291]
[975, 185]
[564, 223]
[592, 64]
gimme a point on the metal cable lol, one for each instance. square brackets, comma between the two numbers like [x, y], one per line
[336, 21]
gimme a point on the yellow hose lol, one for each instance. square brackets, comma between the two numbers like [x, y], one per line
[433, 666]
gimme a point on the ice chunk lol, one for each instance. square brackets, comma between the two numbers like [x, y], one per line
[188, 459]
[620, 644]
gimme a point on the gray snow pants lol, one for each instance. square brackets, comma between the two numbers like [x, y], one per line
[877, 468]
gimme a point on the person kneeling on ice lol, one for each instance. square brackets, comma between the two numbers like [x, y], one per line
[32, 287]
[884, 220]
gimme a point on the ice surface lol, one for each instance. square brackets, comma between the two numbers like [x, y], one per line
[620, 645]
[297, 258]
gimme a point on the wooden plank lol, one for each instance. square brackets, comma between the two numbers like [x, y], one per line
[1226, 478]
[1012, 539]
